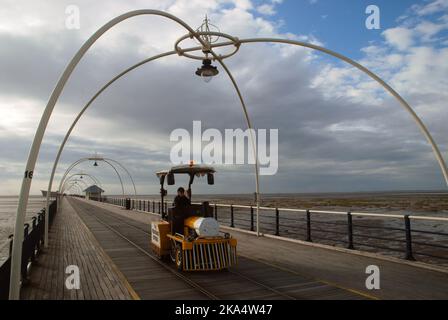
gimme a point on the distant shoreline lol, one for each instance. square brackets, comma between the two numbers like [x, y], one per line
[293, 194]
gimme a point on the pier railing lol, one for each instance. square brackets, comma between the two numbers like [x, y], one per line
[32, 243]
[410, 237]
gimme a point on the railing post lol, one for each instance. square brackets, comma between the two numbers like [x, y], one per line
[232, 222]
[11, 236]
[350, 231]
[25, 248]
[308, 226]
[216, 212]
[160, 212]
[26, 230]
[277, 222]
[407, 223]
[252, 228]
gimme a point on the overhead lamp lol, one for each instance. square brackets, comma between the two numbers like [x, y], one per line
[207, 71]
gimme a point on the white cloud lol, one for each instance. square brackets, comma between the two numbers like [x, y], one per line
[401, 38]
[430, 8]
[427, 30]
[266, 9]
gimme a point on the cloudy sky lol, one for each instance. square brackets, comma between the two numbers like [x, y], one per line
[338, 130]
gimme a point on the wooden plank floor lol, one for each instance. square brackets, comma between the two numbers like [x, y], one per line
[72, 243]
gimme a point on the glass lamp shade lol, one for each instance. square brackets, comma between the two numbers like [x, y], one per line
[207, 71]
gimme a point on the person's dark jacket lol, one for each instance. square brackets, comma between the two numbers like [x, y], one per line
[181, 202]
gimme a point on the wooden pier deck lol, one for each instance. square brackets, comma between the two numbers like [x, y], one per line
[111, 247]
[72, 243]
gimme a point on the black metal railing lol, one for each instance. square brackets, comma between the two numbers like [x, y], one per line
[32, 243]
[409, 237]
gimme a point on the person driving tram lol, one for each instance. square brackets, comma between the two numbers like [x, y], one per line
[181, 200]
[181, 205]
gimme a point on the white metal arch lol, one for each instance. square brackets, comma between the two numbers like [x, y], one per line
[76, 163]
[93, 178]
[70, 186]
[69, 182]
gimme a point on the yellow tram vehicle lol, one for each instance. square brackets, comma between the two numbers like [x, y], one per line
[190, 236]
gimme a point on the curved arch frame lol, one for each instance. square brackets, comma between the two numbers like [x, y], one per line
[14, 292]
[73, 180]
[74, 164]
[93, 178]
[73, 185]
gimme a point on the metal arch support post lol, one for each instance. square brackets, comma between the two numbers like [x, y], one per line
[375, 77]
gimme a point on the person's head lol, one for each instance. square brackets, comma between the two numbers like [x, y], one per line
[181, 191]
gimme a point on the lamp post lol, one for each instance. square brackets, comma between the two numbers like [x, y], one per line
[206, 71]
